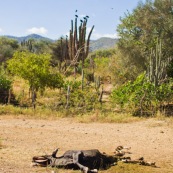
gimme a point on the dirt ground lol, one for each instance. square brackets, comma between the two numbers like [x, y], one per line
[24, 138]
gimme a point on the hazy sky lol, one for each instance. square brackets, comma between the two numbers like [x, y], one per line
[51, 18]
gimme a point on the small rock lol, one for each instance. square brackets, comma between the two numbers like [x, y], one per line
[53, 172]
[161, 131]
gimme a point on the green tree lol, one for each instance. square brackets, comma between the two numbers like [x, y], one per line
[5, 86]
[7, 48]
[140, 30]
[36, 69]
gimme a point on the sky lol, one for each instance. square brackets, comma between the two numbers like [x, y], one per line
[52, 18]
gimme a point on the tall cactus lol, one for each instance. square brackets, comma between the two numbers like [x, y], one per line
[157, 69]
[82, 79]
[28, 45]
[97, 83]
[78, 44]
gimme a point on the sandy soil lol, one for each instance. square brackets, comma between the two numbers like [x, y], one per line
[24, 138]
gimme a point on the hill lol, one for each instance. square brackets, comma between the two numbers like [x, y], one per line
[31, 36]
[102, 43]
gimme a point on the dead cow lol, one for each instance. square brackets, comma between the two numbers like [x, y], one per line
[87, 161]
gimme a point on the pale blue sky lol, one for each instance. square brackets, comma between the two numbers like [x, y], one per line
[51, 18]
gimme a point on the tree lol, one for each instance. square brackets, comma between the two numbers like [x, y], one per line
[5, 86]
[35, 68]
[7, 48]
[140, 30]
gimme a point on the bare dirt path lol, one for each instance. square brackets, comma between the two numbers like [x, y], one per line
[24, 138]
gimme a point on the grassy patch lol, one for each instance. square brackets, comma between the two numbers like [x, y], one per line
[120, 168]
[93, 116]
[43, 113]
[99, 116]
[164, 120]
[9, 110]
[131, 168]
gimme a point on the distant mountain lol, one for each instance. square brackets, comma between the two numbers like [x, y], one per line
[31, 36]
[102, 43]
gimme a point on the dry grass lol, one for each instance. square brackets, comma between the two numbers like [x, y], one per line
[98, 116]
[38, 113]
[44, 113]
[93, 116]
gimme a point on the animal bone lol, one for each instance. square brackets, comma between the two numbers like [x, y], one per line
[119, 151]
[139, 161]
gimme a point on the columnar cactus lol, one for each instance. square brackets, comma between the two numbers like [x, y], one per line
[27, 45]
[157, 70]
[82, 79]
[97, 82]
[78, 45]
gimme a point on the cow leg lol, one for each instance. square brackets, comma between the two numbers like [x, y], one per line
[83, 168]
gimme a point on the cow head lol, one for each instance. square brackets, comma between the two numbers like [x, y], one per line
[44, 160]
[41, 160]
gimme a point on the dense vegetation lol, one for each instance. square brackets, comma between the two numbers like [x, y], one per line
[64, 76]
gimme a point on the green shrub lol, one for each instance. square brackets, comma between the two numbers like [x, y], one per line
[83, 100]
[5, 84]
[142, 97]
[73, 84]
